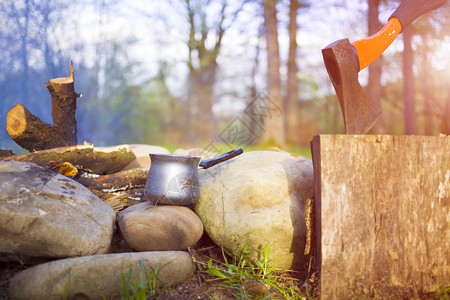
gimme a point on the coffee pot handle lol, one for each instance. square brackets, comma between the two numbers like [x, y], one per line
[205, 164]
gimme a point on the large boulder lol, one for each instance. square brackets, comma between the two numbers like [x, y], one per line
[43, 213]
[99, 276]
[149, 227]
[258, 198]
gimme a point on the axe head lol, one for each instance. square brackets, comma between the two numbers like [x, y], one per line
[359, 112]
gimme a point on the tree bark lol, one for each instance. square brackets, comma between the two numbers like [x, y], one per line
[64, 106]
[120, 181]
[410, 117]
[374, 89]
[5, 153]
[273, 133]
[31, 133]
[95, 160]
[202, 64]
[446, 114]
[291, 100]
[426, 95]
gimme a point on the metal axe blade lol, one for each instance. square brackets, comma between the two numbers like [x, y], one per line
[359, 112]
[344, 61]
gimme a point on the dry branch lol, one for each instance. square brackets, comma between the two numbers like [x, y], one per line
[121, 181]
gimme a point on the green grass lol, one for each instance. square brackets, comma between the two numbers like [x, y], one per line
[246, 279]
[222, 148]
[146, 287]
[443, 293]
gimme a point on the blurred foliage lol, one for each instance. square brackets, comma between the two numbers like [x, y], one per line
[124, 102]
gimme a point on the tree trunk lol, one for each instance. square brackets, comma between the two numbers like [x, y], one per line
[291, 100]
[202, 64]
[446, 114]
[374, 89]
[25, 54]
[426, 95]
[254, 129]
[204, 79]
[410, 117]
[273, 133]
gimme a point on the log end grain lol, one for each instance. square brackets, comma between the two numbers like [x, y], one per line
[16, 121]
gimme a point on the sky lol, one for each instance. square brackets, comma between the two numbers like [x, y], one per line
[159, 32]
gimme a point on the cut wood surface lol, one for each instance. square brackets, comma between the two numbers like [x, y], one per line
[382, 215]
[104, 161]
[31, 133]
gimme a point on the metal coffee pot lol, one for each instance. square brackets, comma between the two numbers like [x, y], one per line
[173, 179]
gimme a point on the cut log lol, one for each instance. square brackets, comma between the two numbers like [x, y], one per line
[64, 106]
[382, 209]
[5, 153]
[121, 181]
[104, 161]
[31, 133]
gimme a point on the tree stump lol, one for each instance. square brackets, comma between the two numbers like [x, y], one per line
[382, 215]
[31, 133]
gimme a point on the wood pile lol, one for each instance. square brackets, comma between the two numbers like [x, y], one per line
[56, 147]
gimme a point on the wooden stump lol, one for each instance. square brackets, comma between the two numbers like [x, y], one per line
[382, 215]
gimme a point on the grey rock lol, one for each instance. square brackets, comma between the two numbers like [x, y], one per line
[46, 214]
[149, 227]
[258, 198]
[90, 277]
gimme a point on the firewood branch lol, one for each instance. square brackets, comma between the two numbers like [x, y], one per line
[31, 133]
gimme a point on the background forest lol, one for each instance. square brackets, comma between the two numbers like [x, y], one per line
[192, 72]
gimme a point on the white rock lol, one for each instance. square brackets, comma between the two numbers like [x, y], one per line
[258, 198]
[196, 152]
[147, 227]
[142, 155]
[43, 213]
[74, 278]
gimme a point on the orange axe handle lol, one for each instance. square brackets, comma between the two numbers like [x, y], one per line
[371, 48]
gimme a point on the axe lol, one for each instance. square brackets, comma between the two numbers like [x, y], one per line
[344, 60]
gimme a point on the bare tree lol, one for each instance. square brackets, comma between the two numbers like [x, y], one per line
[374, 88]
[273, 123]
[291, 100]
[410, 117]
